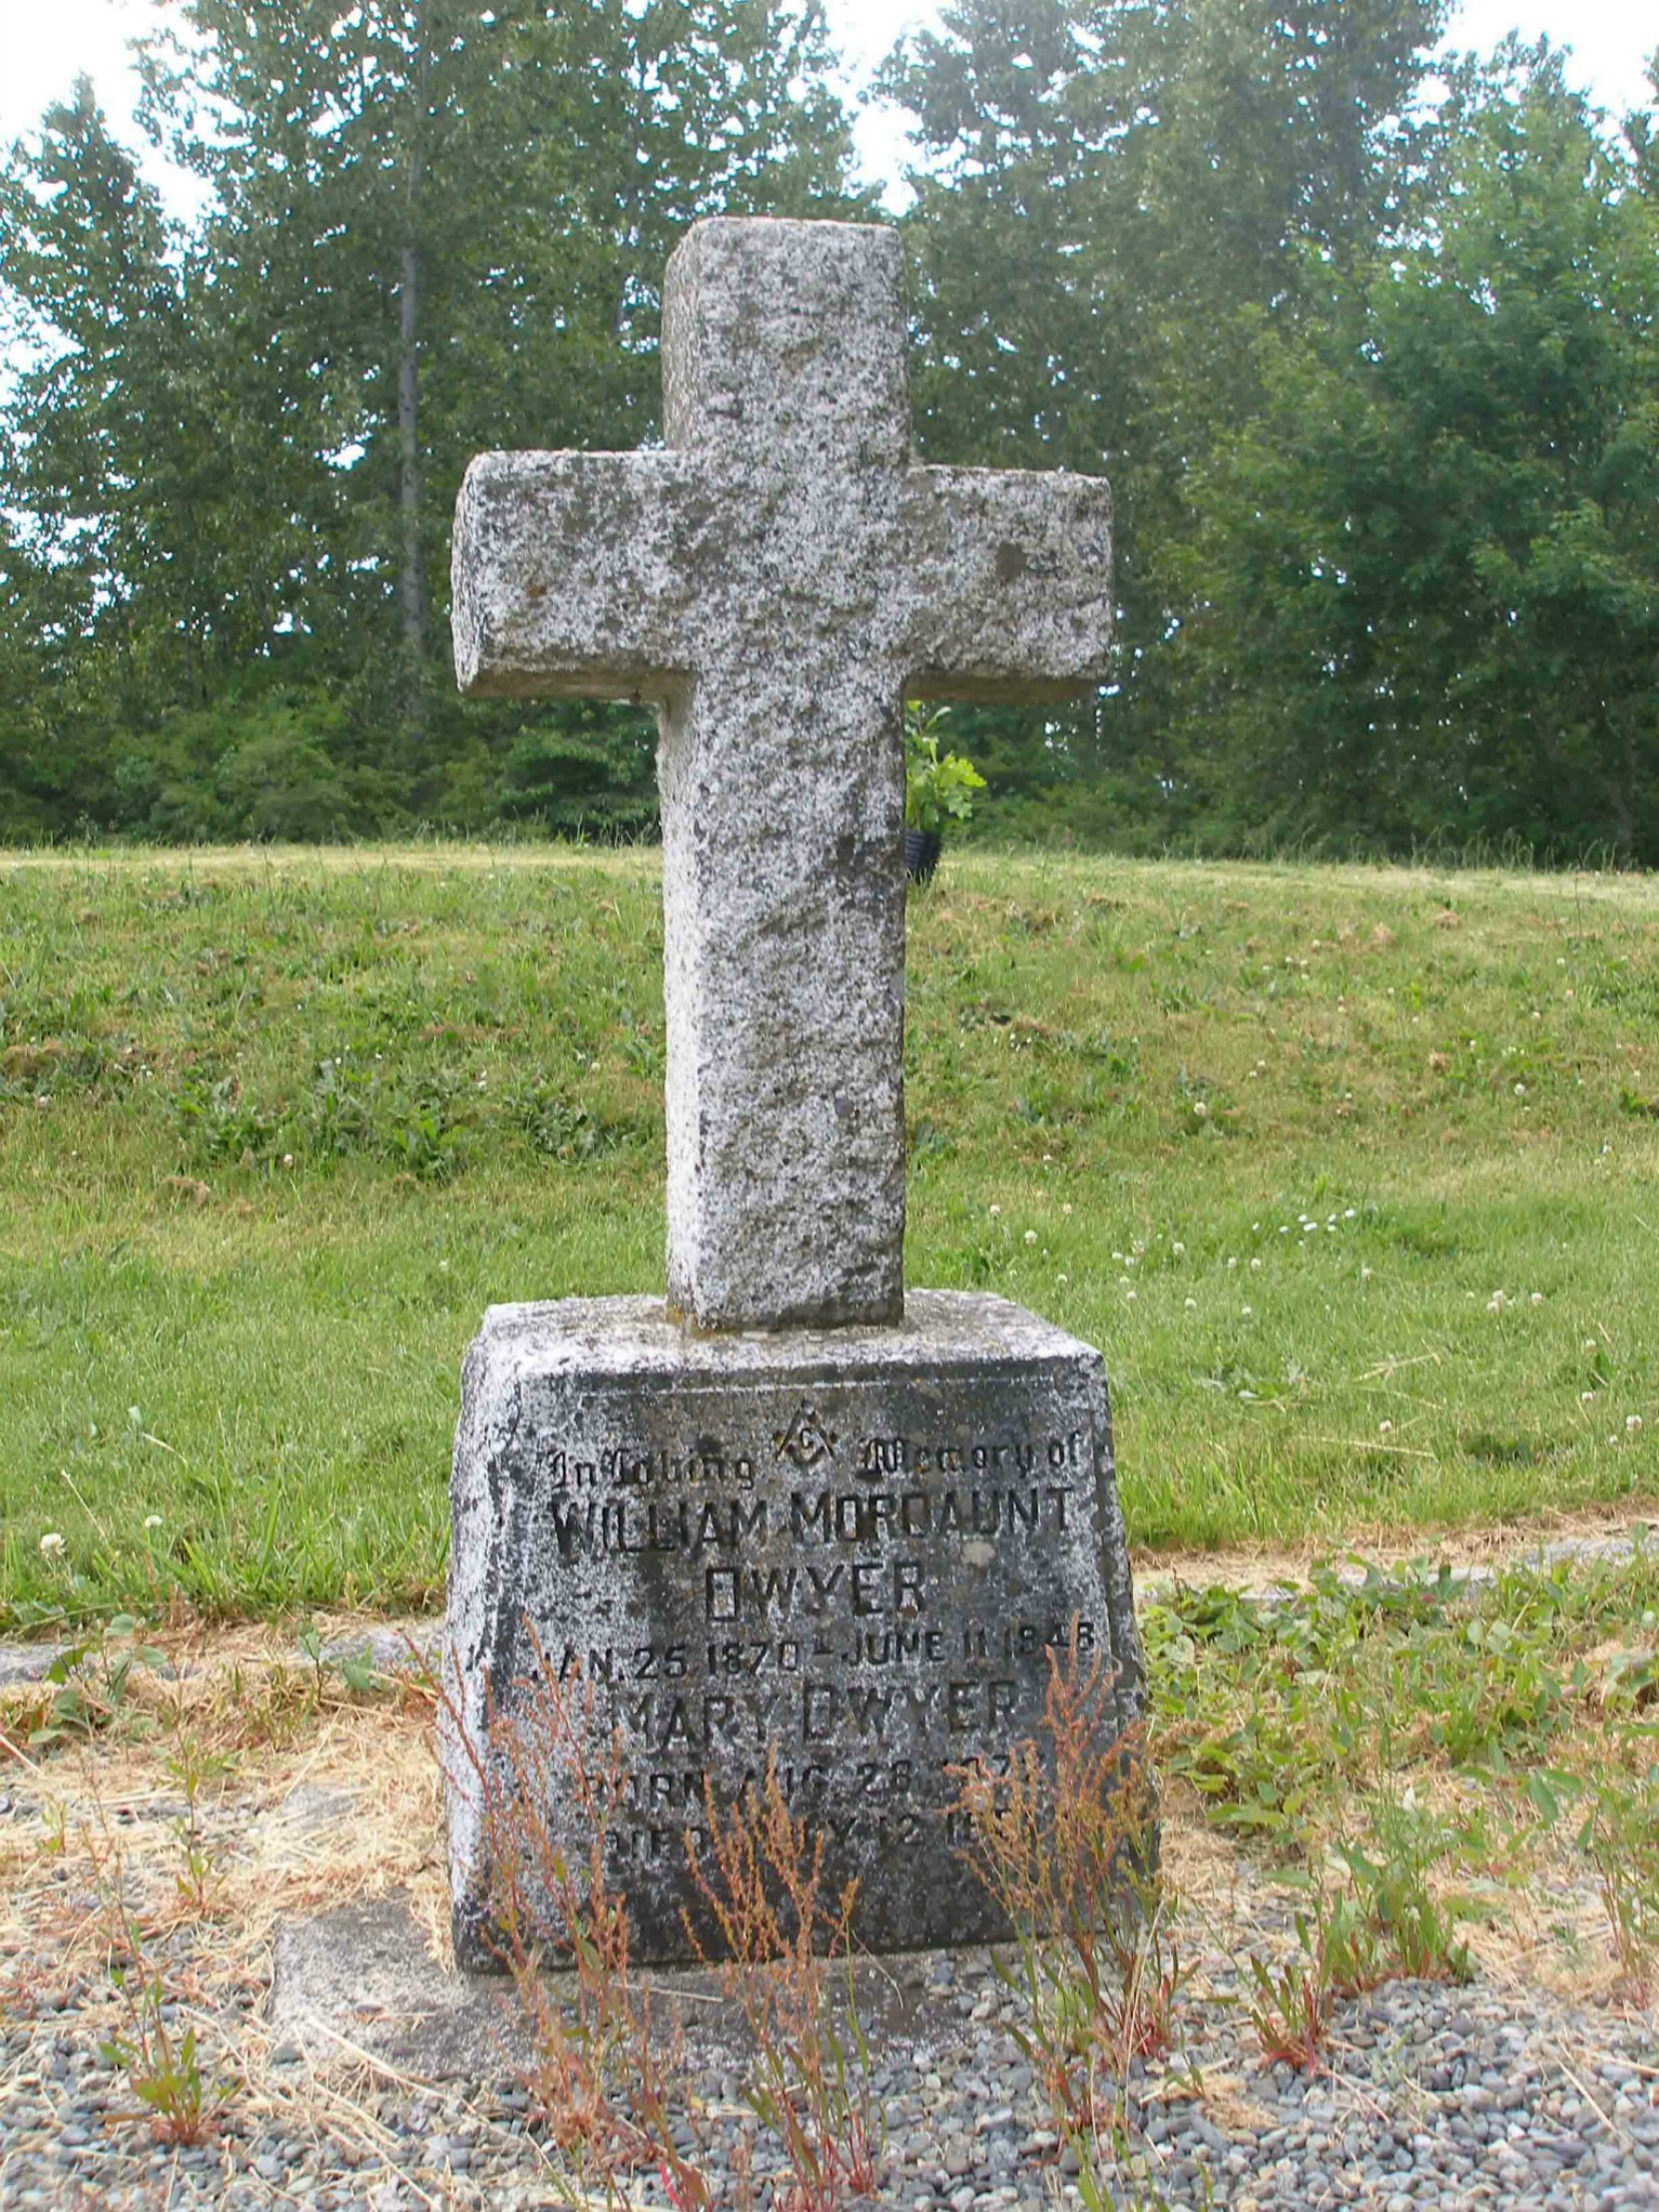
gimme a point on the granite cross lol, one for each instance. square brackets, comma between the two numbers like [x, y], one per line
[777, 582]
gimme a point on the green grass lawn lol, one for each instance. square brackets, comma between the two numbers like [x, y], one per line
[1351, 1172]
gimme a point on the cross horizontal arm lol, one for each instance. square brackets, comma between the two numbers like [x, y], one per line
[1010, 583]
[575, 574]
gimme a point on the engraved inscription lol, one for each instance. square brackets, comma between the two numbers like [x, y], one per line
[872, 1605]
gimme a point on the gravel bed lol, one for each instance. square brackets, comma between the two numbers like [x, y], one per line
[1501, 2093]
[1437, 2096]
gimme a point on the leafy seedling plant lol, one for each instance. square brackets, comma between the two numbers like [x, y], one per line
[1386, 1925]
[197, 1881]
[90, 1682]
[1110, 2176]
[182, 2102]
[1336, 1955]
[355, 1668]
[1415, 1931]
[939, 787]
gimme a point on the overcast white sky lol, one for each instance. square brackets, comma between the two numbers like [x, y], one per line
[45, 44]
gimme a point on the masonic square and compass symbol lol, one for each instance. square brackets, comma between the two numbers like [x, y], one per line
[805, 1441]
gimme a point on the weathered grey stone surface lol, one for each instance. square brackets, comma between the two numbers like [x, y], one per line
[777, 583]
[360, 1981]
[28, 1662]
[853, 1548]
[391, 1650]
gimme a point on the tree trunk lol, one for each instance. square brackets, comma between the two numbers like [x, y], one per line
[412, 580]
[411, 588]
[1622, 746]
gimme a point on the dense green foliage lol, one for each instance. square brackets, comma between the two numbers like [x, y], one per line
[1377, 384]
[1425, 585]
[1369, 355]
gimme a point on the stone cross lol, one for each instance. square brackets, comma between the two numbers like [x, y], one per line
[777, 582]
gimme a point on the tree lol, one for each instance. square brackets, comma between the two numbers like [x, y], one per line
[116, 451]
[43, 764]
[1426, 585]
[447, 221]
[432, 226]
[1111, 192]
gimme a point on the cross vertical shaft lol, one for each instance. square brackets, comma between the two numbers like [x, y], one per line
[783, 789]
[775, 582]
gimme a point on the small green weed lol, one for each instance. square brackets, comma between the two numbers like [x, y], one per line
[355, 1668]
[194, 1767]
[90, 1682]
[163, 2064]
[1621, 1836]
[162, 2067]
[1416, 1933]
[1112, 2174]
[1291, 2008]
[1336, 1955]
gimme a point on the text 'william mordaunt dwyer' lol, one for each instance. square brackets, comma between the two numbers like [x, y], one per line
[594, 1526]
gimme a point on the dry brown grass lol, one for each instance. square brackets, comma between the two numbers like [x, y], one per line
[1254, 1567]
[99, 1870]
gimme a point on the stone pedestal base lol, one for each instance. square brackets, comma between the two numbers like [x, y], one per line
[849, 1550]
